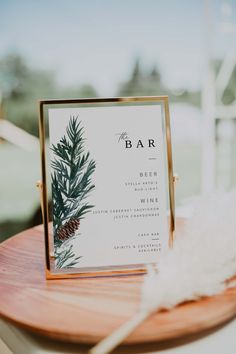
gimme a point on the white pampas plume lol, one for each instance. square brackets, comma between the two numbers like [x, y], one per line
[203, 258]
[200, 264]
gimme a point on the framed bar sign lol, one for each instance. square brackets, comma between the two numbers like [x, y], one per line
[107, 182]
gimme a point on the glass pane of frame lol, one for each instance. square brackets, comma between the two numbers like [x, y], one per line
[107, 181]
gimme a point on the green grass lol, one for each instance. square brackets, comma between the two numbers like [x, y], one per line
[19, 171]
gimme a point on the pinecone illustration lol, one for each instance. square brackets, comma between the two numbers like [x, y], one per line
[68, 229]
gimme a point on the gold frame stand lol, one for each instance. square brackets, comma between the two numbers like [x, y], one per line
[42, 184]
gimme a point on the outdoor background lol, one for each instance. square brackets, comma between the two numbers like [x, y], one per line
[72, 49]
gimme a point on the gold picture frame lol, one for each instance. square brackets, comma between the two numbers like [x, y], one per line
[44, 105]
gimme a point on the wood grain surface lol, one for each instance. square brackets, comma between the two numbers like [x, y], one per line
[87, 310]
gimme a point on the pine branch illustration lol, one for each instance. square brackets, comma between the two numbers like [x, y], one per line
[66, 258]
[71, 184]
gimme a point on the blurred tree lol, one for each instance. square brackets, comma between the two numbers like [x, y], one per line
[84, 91]
[148, 84]
[136, 76]
[229, 94]
[13, 74]
[141, 83]
[87, 90]
[22, 87]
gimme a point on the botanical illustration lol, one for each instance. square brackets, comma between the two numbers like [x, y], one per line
[72, 169]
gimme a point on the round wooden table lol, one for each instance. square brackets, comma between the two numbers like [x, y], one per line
[87, 310]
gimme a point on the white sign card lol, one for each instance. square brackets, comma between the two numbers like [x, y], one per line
[109, 185]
